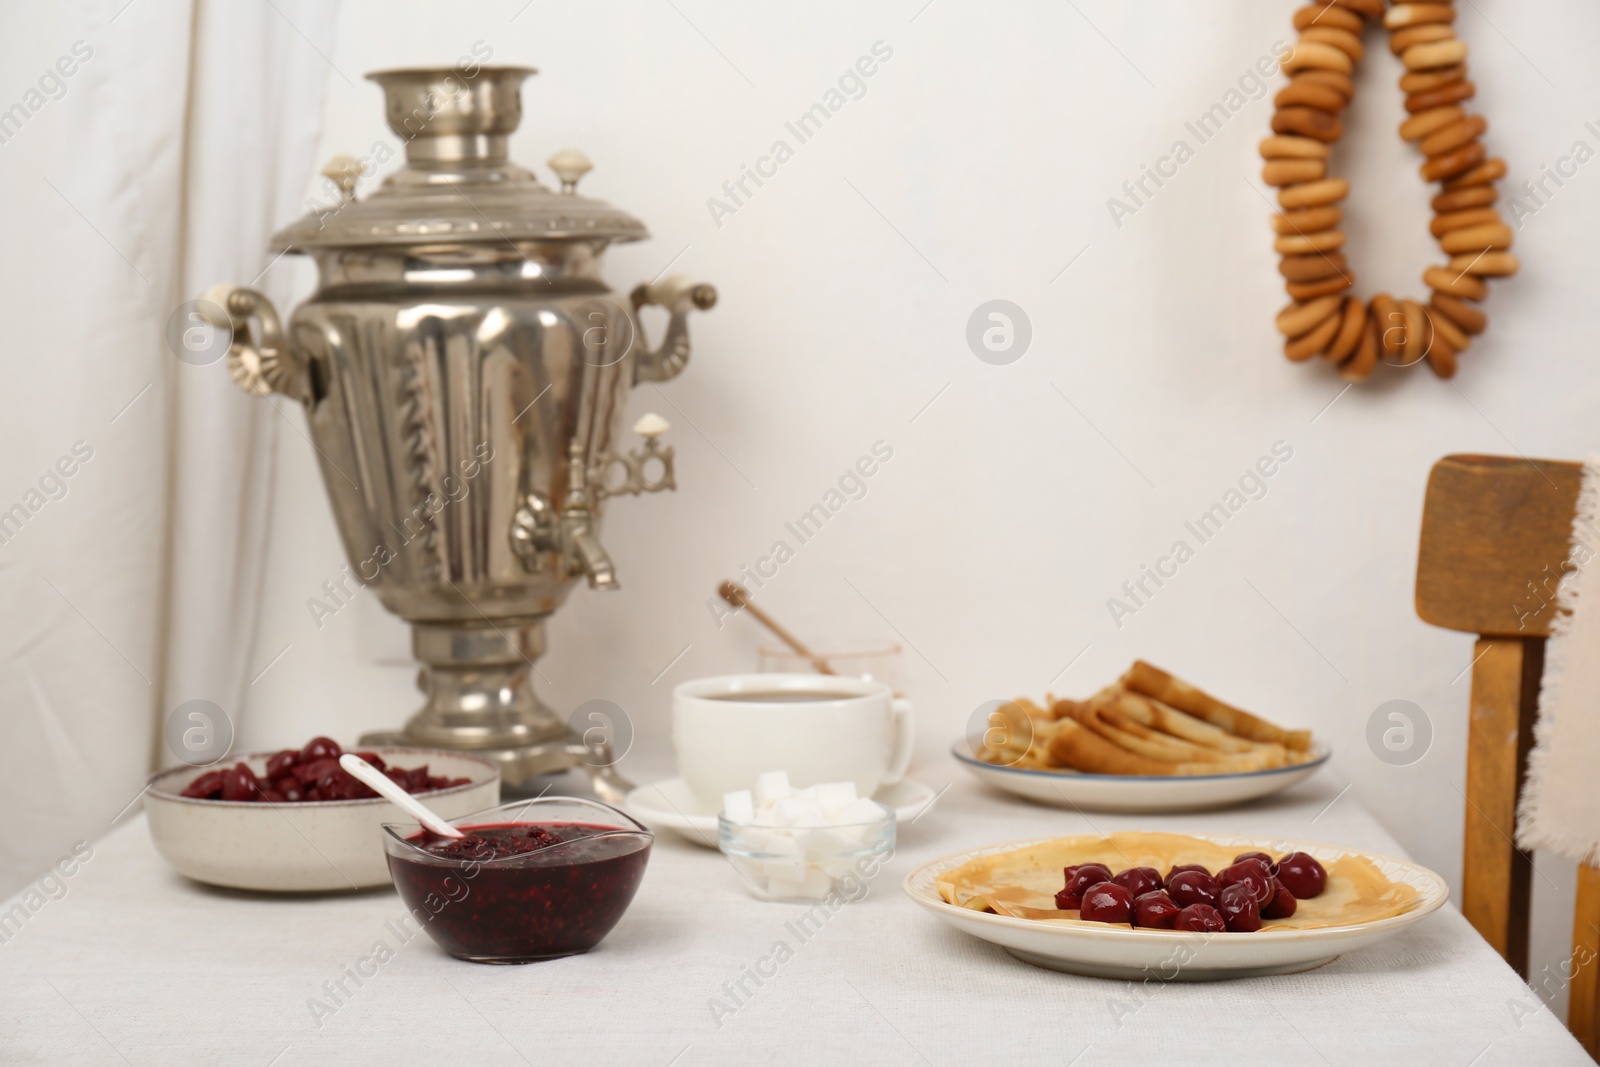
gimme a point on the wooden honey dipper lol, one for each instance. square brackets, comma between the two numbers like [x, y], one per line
[735, 594]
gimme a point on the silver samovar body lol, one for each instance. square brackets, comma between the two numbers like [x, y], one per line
[465, 371]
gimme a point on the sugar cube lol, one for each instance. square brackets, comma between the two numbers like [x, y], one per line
[821, 844]
[834, 795]
[771, 787]
[839, 866]
[861, 810]
[739, 807]
[783, 859]
[751, 838]
[790, 810]
[799, 811]
[749, 869]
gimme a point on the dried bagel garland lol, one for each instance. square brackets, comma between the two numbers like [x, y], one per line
[1323, 319]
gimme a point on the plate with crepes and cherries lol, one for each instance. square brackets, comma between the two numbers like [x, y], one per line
[1175, 907]
[1151, 742]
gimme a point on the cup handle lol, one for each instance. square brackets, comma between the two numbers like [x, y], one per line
[905, 739]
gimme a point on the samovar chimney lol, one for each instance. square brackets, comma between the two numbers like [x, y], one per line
[444, 117]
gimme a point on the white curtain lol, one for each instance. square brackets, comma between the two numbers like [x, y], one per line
[165, 142]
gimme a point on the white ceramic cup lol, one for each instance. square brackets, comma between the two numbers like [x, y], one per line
[856, 730]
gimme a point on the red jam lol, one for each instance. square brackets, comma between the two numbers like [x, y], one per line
[518, 892]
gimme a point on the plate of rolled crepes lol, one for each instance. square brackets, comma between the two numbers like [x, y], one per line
[1149, 742]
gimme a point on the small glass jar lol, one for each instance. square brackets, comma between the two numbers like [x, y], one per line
[855, 657]
[557, 900]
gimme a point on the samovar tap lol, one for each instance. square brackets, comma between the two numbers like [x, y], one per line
[577, 525]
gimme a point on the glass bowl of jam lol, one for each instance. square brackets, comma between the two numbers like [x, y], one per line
[532, 880]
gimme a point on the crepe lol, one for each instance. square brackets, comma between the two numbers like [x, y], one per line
[1147, 724]
[1023, 882]
[1152, 681]
[1152, 713]
[1105, 715]
[1075, 745]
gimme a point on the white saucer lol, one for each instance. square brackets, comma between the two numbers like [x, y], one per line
[669, 804]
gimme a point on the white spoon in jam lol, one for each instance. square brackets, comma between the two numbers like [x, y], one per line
[365, 772]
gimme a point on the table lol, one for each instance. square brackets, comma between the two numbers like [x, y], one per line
[135, 965]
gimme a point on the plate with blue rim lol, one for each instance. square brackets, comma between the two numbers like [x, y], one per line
[1137, 792]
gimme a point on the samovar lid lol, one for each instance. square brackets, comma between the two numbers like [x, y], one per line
[458, 184]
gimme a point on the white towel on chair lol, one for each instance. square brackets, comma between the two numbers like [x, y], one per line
[1560, 805]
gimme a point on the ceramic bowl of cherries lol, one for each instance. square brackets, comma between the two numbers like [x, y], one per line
[294, 821]
[1235, 899]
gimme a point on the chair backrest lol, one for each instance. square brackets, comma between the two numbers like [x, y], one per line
[1496, 535]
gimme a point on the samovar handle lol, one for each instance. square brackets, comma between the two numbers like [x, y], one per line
[678, 295]
[675, 292]
[259, 359]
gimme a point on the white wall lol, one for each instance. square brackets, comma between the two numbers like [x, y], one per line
[977, 166]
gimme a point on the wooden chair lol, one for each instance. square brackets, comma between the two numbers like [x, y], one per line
[1495, 542]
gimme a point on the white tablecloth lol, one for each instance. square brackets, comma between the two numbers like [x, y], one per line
[135, 965]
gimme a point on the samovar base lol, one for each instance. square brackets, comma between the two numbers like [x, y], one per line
[479, 699]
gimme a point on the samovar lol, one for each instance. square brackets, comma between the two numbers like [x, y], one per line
[464, 371]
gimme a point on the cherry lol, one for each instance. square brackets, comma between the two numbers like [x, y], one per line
[1180, 868]
[1085, 876]
[318, 772]
[1107, 902]
[1155, 911]
[1064, 900]
[1193, 887]
[239, 783]
[1271, 864]
[1071, 896]
[206, 787]
[1202, 917]
[283, 762]
[348, 787]
[1302, 875]
[1239, 909]
[1282, 905]
[1139, 880]
[294, 775]
[1251, 873]
[418, 781]
[321, 748]
[405, 779]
